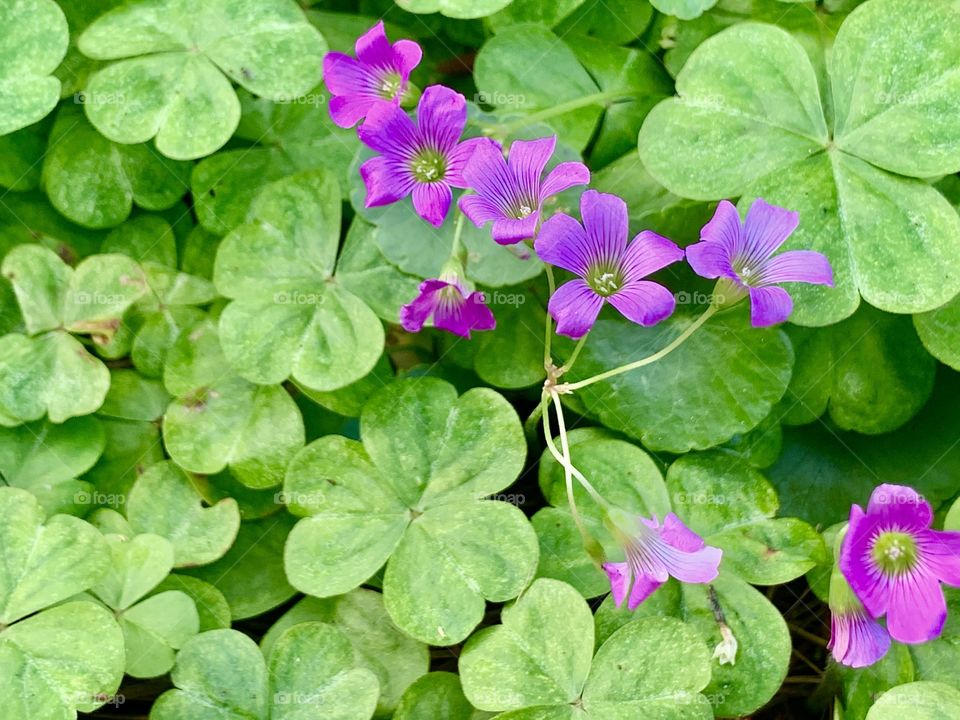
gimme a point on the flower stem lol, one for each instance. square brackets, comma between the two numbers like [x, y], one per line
[600, 98]
[573, 356]
[548, 332]
[562, 431]
[677, 342]
[456, 250]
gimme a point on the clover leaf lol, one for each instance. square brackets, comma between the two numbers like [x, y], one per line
[916, 701]
[379, 646]
[251, 575]
[411, 493]
[749, 121]
[939, 331]
[176, 61]
[294, 320]
[763, 653]
[541, 660]
[732, 506]
[436, 695]
[153, 628]
[47, 459]
[869, 372]
[222, 674]
[95, 182]
[64, 658]
[35, 40]
[747, 374]
[48, 371]
[164, 502]
[462, 9]
[222, 421]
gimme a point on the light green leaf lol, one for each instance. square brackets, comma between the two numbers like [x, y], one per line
[917, 701]
[251, 574]
[63, 660]
[35, 40]
[46, 459]
[43, 563]
[683, 9]
[445, 565]
[507, 79]
[747, 374]
[136, 566]
[154, 629]
[50, 374]
[461, 9]
[175, 81]
[436, 695]
[420, 470]
[212, 608]
[763, 655]
[939, 330]
[222, 675]
[291, 320]
[220, 420]
[538, 664]
[378, 645]
[164, 502]
[95, 182]
[540, 654]
[898, 116]
[732, 507]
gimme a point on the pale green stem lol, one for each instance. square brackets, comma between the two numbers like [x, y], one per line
[562, 431]
[677, 342]
[599, 98]
[573, 357]
[456, 249]
[567, 471]
[548, 333]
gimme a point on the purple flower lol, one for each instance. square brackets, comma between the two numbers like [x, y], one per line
[453, 308]
[655, 552]
[742, 256]
[426, 158]
[856, 639]
[510, 192]
[378, 76]
[895, 562]
[610, 270]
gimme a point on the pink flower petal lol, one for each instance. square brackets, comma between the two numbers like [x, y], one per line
[648, 253]
[643, 302]
[918, 609]
[563, 177]
[432, 201]
[798, 266]
[606, 223]
[900, 505]
[643, 587]
[563, 242]
[575, 307]
[769, 306]
[441, 116]
[509, 231]
[766, 228]
[385, 181]
[619, 575]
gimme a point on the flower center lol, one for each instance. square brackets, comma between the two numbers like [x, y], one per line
[390, 85]
[605, 279]
[895, 552]
[748, 274]
[429, 166]
[522, 208]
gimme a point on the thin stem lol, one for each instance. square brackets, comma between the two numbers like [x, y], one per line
[548, 331]
[599, 98]
[677, 342]
[456, 249]
[567, 467]
[573, 357]
[562, 431]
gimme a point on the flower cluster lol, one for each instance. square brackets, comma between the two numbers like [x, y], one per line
[891, 565]
[427, 157]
